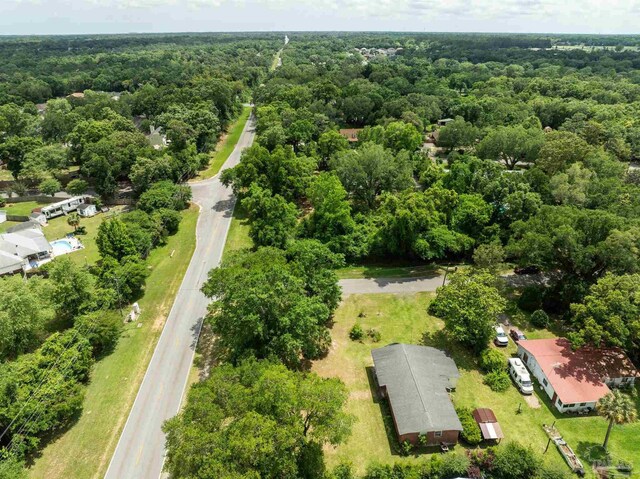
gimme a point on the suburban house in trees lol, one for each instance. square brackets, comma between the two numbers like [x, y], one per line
[416, 380]
[576, 380]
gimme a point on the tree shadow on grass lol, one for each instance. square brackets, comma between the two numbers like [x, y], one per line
[439, 339]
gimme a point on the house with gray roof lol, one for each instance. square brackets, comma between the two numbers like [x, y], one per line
[416, 380]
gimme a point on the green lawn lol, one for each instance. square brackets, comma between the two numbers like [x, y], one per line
[404, 319]
[226, 145]
[58, 228]
[23, 209]
[238, 236]
[85, 449]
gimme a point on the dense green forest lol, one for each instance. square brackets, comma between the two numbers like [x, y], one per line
[86, 104]
[534, 166]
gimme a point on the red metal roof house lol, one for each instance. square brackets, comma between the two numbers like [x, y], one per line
[576, 380]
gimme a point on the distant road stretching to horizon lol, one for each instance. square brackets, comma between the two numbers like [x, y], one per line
[139, 453]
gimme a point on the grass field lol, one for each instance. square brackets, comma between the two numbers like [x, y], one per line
[226, 145]
[404, 319]
[238, 236]
[85, 449]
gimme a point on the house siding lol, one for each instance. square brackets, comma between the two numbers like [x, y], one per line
[448, 437]
[539, 374]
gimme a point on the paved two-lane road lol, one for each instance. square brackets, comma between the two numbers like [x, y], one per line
[140, 450]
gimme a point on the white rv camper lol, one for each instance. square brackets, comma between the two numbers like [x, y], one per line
[520, 375]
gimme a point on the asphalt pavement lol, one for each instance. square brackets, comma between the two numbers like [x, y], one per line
[390, 285]
[140, 450]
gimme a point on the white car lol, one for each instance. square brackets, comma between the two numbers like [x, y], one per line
[501, 338]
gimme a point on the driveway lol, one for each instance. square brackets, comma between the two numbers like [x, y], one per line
[390, 285]
[140, 450]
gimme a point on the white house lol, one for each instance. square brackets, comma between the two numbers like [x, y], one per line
[64, 207]
[87, 210]
[28, 243]
[576, 380]
[10, 263]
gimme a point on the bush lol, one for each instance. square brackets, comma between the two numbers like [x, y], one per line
[343, 470]
[514, 461]
[374, 335]
[356, 333]
[470, 430]
[540, 319]
[406, 447]
[498, 381]
[492, 360]
[531, 298]
[453, 465]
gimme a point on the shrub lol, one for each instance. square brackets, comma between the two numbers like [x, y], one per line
[492, 360]
[514, 461]
[498, 381]
[374, 335]
[470, 429]
[343, 470]
[407, 447]
[356, 333]
[531, 298]
[453, 465]
[540, 319]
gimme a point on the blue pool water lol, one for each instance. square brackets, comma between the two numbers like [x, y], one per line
[61, 247]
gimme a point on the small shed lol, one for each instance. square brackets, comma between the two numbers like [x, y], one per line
[489, 427]
[87, 210]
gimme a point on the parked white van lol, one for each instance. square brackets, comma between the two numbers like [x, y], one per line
[520, 375]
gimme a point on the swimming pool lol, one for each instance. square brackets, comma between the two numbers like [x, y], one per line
[61, 247]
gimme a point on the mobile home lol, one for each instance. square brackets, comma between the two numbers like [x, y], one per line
[64, 207]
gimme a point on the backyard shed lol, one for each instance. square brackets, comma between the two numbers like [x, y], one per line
[87, 210]
[416, 380]
[489, 426]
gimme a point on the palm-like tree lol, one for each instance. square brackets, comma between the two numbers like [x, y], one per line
[618, 408]
[74, 220]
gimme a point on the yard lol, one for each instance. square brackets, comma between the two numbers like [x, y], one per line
[59, 228]
[404, 319]
[85, 449]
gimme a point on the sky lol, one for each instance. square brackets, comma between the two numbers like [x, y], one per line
[124, 16]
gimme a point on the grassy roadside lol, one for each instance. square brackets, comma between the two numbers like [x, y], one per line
[85, 449]
[226, 145]
[238, 236]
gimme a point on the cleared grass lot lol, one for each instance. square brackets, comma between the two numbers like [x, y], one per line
[85, 449]
[403, 318]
